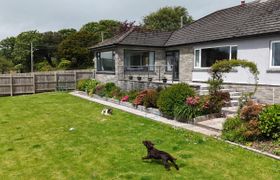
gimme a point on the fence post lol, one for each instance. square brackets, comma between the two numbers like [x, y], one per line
[34, 83]
[75, 79]
[11, 84]
[55, 80]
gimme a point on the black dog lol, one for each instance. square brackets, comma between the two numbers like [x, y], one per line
[153, 153]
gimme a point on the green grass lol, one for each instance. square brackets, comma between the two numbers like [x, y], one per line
[35, 143]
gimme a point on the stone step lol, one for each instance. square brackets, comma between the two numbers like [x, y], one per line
[235, 97]
[234, 93]
[229, 110]
[234, 102]
[213, 124]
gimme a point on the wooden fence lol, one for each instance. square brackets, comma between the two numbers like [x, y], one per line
[31, 83]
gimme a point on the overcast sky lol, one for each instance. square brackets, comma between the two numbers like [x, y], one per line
[45, 15]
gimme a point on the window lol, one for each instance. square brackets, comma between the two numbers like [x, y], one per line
[172, 59]
[275, 57]
[206, 57]
[139, 60]
[105, 61]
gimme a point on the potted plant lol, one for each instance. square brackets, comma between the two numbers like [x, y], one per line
[150, 79]
[130, 77]
[164, 80]
[139, 78]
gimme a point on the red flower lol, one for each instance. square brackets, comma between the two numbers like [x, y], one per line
[125, 99]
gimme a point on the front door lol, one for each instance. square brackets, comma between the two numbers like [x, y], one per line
[172, 64]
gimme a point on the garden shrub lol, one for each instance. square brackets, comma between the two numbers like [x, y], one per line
[64, 64]
[87, 85]
[81, 85]
[150, 100]
[252, 131]
[90, 86]
[173, 96]
[270, 121]
[132, 95]
[100, 90]
[110, 88]
[139, 100]
[117, 93]
[251, 111]
[234, 130]
[217, 100]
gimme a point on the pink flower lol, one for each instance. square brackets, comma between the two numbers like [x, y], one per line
[193, 101]
[125, 99]
[206, 105]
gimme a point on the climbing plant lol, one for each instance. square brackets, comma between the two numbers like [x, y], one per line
[226, 66]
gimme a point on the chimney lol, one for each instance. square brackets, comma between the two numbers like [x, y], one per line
[243, 3]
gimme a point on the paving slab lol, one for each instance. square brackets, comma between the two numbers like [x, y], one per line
[216, 124]
[153, 117]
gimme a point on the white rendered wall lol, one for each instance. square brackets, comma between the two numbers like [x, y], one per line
[253, 49]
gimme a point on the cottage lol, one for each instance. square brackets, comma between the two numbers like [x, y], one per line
[249, 31]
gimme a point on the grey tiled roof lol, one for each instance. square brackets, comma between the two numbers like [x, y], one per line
[258, 17]
[138, 38]
[255, 18]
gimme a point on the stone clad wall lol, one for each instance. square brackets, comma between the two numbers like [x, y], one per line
[265, 93]
[186, 62]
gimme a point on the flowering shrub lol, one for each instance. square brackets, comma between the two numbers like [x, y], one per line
[193, 101]
[251, 111]
[125, 99]
[150, 100]
[139, 100]
[173, 96]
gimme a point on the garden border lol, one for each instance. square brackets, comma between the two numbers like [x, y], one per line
[112, 103]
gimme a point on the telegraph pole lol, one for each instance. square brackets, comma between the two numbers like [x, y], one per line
[31, 56]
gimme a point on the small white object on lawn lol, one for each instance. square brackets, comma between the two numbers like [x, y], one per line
[72, 129]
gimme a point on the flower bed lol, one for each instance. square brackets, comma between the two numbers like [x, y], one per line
[178, 102]
[257, 126]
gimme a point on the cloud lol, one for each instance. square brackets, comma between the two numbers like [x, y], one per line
[45, 15]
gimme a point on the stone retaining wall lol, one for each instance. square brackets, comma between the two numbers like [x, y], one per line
[265, 93]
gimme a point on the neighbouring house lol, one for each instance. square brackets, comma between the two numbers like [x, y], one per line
[250, 31]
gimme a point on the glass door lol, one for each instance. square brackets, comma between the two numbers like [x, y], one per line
[172, 64]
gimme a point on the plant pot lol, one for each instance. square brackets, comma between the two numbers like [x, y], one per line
[130, 78]
[150, 79]
[164, 80]
[139, 78]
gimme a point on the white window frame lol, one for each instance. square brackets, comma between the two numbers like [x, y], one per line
[271, 55]
[199, 49]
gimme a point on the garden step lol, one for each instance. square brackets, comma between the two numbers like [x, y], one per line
[229, 110]
[214, 124]
[235, 93]
[234, 102]
[235, 97]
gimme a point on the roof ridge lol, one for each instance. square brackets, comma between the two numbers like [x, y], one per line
[125, 34]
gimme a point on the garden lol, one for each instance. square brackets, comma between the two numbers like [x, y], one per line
[59, 136]
[255, 125]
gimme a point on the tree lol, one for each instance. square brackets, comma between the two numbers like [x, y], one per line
[47, 47]
[5, 65]
[7, 47]
[167, 19]
[107, 27]
[75, 48]
[67, 32]
[21, 52]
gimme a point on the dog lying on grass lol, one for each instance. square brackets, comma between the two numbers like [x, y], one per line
[107, 112]
[153, 153]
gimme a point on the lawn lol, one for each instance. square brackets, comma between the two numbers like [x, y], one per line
[35, 143]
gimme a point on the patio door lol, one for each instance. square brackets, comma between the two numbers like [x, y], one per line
[172, 64]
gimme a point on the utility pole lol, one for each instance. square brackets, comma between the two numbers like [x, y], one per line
[102, 36]
[31, 56]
